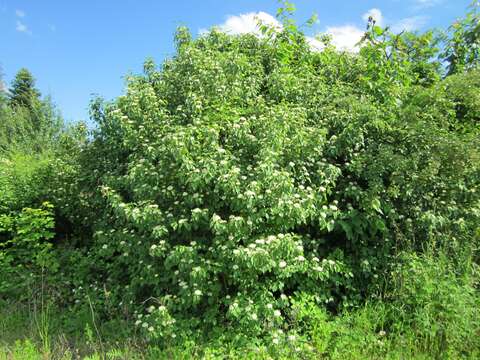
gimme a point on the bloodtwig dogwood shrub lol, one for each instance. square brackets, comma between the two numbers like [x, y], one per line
[250, 171]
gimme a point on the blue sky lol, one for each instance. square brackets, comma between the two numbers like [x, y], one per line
[79, 48]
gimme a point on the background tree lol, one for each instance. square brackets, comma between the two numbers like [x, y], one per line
[3, 96]
[28, 121]
[462, 49]
[2, 90]
[23, 91]
[24, 98]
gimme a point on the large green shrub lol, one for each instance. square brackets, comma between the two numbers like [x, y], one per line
[248, 171]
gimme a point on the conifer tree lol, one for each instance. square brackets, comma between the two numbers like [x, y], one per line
[23, 91]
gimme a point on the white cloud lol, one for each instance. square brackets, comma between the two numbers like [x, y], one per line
[21, 27]
[376, 14]
[315, 44]
[409, 24]
[345, 37]
[247, 23]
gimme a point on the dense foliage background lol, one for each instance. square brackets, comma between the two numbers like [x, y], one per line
[317, 203]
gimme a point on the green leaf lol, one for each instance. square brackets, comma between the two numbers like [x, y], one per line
[376, 205]
[378, 30]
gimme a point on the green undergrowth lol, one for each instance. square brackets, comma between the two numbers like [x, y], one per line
[431, 313]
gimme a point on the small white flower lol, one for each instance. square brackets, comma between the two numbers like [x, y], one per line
[269, 306]
[291, 337]
[277, 313]
[198, 292]
[150, 328]
[144, 325]
[282, 264]
[254, 317]
[275, 341]
[105, 246]
[138, 322]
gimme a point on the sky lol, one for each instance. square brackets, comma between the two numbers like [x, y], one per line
[80, 49]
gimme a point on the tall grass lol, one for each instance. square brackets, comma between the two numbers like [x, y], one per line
[431, 311]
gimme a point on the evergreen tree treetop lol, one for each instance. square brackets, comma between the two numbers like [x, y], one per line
[23, 91]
